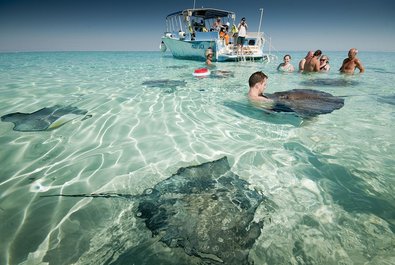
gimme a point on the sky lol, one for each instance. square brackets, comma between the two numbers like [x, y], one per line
[120, 25]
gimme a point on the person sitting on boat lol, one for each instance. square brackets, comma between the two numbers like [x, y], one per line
[352, 62]
[286, 66]
[216, 25]
[223, 34]
[199, 26]
[324, 64]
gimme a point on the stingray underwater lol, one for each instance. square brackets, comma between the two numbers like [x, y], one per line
[206, 211]
[45, 119]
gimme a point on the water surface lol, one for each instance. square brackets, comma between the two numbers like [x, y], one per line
[332, 176]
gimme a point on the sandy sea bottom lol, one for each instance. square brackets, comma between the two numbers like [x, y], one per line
[331, 177]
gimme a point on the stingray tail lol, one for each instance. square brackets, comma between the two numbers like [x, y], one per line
[93, 195]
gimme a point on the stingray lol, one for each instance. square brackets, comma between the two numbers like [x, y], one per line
[221, 74]
[177, 66]
[381, 70]
[387, 99]
[305, 102]
[205, 210]
[44, 119]
[166, 84]
[339, 82]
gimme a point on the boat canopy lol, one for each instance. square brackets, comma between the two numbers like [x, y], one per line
[204, 13]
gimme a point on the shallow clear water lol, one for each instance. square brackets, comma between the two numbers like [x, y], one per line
[332, 177]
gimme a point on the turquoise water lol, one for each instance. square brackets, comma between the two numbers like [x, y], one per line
[332, 176]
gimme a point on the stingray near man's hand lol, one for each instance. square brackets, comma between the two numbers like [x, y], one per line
[167, 85]
[305, 102]
[44, 119]
[205, 210]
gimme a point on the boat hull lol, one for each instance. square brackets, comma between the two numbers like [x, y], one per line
[192, 50]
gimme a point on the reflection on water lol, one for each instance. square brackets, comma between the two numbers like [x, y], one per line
[330, 176]
[346, 189]
[247, 110]
[334, 82]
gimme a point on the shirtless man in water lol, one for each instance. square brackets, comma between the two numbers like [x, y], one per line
[258, 83]
[313, 64]
[352, 62]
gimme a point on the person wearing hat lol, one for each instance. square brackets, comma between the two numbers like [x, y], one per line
[209, 57]
[242, 33]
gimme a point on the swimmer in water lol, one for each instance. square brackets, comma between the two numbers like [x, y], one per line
[352, 62]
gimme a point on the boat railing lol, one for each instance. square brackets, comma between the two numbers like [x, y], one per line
[206, 36]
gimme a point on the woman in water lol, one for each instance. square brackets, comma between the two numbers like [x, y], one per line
[324, 64]
[286, 66]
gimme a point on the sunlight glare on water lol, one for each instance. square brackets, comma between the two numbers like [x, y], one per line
[331, 176]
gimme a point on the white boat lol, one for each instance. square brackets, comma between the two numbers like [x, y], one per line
[188, 36]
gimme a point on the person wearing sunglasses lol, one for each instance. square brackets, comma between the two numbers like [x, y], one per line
[324, 64]
[352, 62]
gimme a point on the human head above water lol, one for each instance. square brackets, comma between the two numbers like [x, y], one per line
[309, 54]
[209, 51]
[324, 58]
[256, 78]
[317, 53]
[352, 52]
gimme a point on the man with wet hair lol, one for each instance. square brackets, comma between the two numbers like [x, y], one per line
[258, 83]
[313, 64]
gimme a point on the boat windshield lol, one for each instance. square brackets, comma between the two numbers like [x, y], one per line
[194, 19]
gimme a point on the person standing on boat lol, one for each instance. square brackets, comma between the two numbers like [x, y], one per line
[242, 33]
[216, 25]
[352, 62]
[223, 34]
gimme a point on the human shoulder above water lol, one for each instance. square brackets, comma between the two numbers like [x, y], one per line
[257, 83]
[313, 64]
[286, 66]
[351, 63]
[309, 55]
[324, 64]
